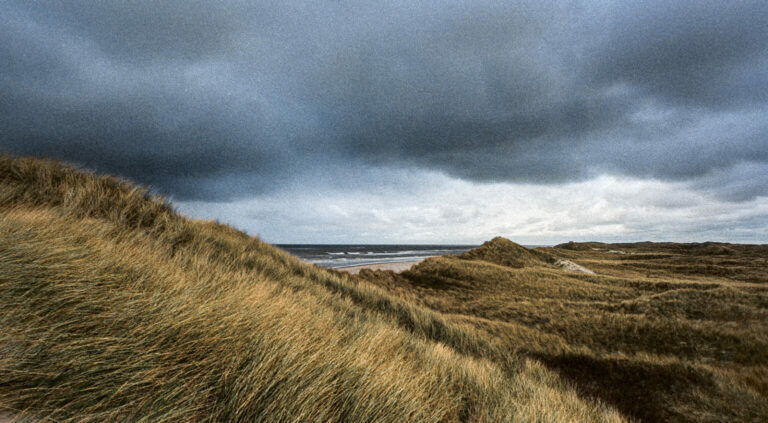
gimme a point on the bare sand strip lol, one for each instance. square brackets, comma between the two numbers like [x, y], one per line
[573, 267]
[395, 267]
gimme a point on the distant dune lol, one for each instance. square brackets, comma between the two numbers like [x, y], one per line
[393, 266]
[115, 308]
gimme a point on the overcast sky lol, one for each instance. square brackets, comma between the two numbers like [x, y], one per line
[408, 121]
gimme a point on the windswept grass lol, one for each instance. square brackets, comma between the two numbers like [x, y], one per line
[115, 308]
[663, 332]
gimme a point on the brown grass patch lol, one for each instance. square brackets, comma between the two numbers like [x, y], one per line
[663, 331]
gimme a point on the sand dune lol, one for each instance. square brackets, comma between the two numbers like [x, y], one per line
[115, 308]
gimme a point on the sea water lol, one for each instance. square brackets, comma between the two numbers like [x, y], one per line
[337, 255]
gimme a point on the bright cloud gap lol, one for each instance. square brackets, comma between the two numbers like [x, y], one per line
[447, 210]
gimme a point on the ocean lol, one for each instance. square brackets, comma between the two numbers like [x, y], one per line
[338, 255]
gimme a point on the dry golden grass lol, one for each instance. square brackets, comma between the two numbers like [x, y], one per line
[115, 308]
[663, 332]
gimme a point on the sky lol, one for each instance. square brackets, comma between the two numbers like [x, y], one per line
[408, 122]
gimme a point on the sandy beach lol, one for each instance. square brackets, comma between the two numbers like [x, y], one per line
[395, 267]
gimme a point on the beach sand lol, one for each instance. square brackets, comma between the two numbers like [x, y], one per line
[395, 267]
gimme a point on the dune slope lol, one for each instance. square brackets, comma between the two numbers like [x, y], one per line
[115, 308]
[662, 331]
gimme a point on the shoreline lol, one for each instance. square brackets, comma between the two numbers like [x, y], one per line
[395, 266]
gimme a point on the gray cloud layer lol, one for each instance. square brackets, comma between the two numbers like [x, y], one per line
[226, 99]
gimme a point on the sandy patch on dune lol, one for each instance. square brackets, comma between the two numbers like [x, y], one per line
[573, 267]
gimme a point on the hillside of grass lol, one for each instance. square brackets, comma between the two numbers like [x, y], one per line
[113, 307]
[661, 331]
[504, 252]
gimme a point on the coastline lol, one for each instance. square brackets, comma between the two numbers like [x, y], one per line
[397, 266]
[341, 256]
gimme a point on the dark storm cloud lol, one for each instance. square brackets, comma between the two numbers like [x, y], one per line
[223, 99]
[700, 53]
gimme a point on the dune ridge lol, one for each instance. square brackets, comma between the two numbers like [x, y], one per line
[116, 308]
[661, 331]
[113, 307]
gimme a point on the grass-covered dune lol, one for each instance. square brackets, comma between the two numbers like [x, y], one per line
[661, 331]
[115, 308]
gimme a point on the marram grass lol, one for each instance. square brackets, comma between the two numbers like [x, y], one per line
[115, 308]
[662, 331]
